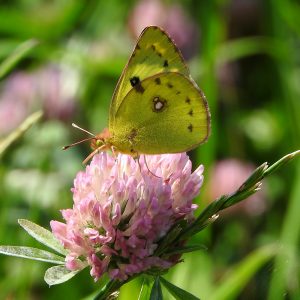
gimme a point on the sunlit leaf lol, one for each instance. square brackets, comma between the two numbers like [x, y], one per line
[42, 235]
[176, 292]
[58, 274]
[145, 290]
[32, 253]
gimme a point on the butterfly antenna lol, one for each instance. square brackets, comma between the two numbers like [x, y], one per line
[79, 142]
[76, 143]
[84, 130]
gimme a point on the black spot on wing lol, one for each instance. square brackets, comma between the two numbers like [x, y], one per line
[135, 80]
[178, 92]
[139, 88]
[191, 112]
[137, 47]
[169, 85]
[155, 50]
[190, 127]
[188, 100]
[136, 84]
[166, 63]
[157, 81]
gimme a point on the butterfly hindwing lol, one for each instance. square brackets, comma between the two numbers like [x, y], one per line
[167, 113]
[154, 53]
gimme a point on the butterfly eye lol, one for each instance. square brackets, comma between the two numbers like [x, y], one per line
[99, 143]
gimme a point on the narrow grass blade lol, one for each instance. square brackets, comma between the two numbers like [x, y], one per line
[185, 249]
[18, 132]
[285, 277]
[176, 292]
[145, 289]
[21, 51]
[240, 275]
[281, 162]
[156, 292]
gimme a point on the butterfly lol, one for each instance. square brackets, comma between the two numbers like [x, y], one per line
[156, 107]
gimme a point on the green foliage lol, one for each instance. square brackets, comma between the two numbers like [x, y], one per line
[176, 292]
[156, 292]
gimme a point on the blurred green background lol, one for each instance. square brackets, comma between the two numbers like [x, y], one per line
[244, 54]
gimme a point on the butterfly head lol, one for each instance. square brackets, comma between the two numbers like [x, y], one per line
[101, 140]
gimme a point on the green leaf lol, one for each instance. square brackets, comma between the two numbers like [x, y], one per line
[176, 292]
[19, 131]
[168, 239]
[281, 162]
[32, 253]
[58, 274]
[185, 249]
[156, 292]
[111, 287]
[255, 177]
[236, 280]
[21, 51]
[42, 235]
[145, 289]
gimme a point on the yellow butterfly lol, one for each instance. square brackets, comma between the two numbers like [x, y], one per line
[156, 107]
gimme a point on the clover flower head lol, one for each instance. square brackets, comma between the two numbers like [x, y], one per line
[122, 212]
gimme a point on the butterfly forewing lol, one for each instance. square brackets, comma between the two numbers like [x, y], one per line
[154, 53]
[166, 114]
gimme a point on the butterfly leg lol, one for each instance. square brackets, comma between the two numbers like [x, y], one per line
[93, 153]
[137, 158]
[149, 169]
[114, 151]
